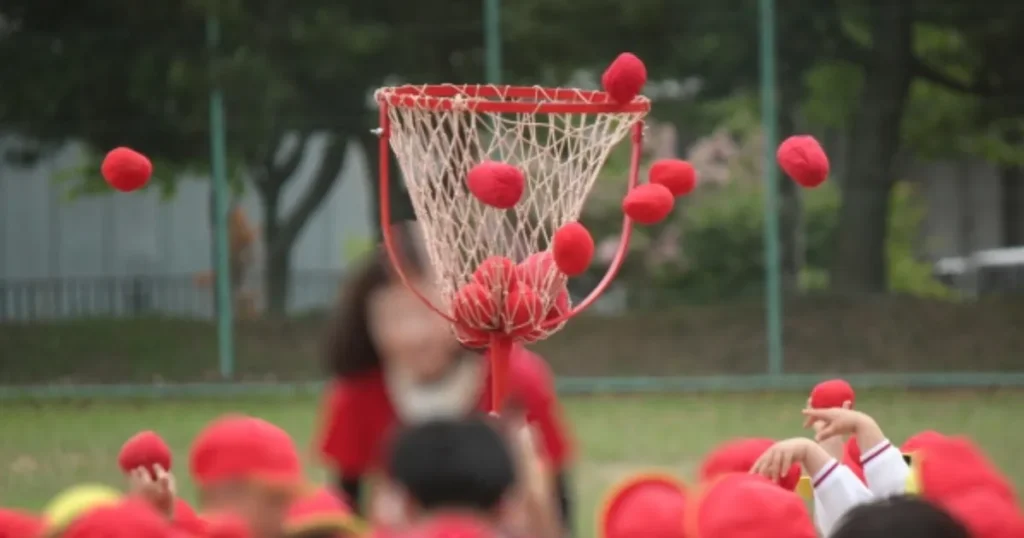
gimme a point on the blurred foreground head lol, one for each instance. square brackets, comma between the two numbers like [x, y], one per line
[249, 467]
[451, 467]
[899, 516]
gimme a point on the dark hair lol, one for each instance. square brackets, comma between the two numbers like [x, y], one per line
[896, 517]
[453, 464]
[349, 348]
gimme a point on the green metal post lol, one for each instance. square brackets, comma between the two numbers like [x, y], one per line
[492, 40]
[218, 164]
[770, 128]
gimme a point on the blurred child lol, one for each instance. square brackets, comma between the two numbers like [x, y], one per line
[248, 467]
[132, 518]
[71, 504]
[18, 524]
[453, 476]
[885, 470]
[836, 488]
[897, 517]
[745, 506]
[321, 514]
[395, 362]
[145, 459]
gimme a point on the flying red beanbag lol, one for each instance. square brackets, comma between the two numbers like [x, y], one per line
[831, 393]
[573, 248]
[145, 449]
[676, 175]
[497, 184]
[126, 170]
[624, 78]
[802, 158]
[648, 204]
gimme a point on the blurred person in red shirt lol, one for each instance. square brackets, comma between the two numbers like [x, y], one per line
[396, 362]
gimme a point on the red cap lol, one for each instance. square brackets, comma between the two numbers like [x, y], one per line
[239, 447]
[738, 456]
[986, 514]
[144, 449]
[132, 518]
[747, 506]
[322, 509]
[952, 466]
[226, 525]
[447, 526]
[18, 524]
[831, 393]
[186, 520]
[920, 439]
[644, 506]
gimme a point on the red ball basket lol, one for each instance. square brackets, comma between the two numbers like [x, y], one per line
[559, 137]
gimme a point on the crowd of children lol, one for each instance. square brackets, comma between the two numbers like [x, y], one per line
[483, 477]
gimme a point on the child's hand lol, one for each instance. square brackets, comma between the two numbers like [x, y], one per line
[829, 423]
[159, 491]
[776, 462]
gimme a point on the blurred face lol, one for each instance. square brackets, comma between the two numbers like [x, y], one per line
[263, 508]
[407, 333]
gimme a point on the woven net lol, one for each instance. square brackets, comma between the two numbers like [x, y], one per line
[437, 140]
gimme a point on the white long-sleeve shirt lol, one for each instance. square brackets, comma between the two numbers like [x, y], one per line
[836, 491]
[885, 471]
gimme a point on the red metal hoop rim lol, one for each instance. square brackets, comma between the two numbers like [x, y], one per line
[507, 99]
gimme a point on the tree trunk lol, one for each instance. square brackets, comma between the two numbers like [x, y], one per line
[861, 264]
[282, 231]
[278, 278]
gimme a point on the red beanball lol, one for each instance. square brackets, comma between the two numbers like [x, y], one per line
[145, 449]
[524, 310]
[803, 159]
[624, 78]
[474, 307]
[126, 170]
[676, 175]
[496, 274]
[573, 248]
[648, 204]
[831, 393]
[497, 184]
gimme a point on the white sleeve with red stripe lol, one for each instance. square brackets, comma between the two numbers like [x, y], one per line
[836, 491]
[884, 470]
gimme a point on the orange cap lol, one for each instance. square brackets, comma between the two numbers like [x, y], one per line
[238, 447]
[644, 506]
[132, 518]
[738, 456]
[747, 506]
[986, 514]
[322, 509]
[18, 524]
[951, 466]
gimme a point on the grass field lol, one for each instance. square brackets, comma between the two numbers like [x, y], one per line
[45, 447]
